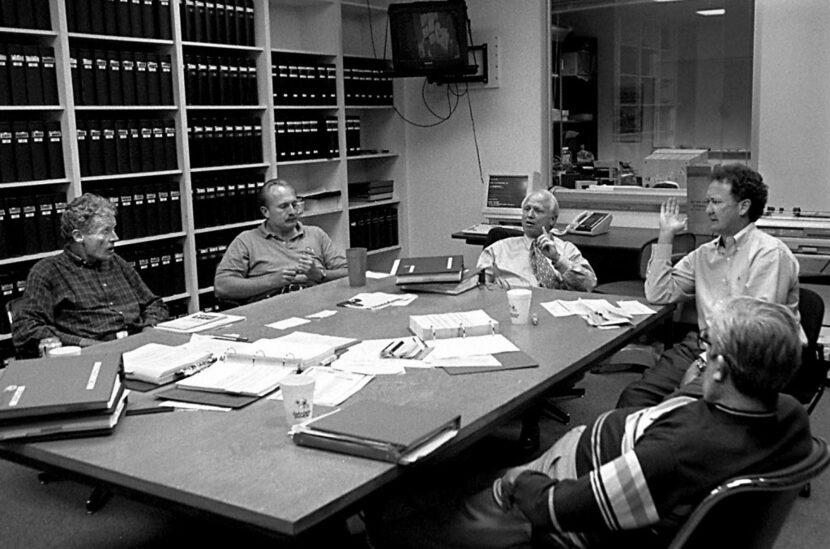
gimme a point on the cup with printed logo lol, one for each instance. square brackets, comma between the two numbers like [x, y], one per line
[298, 397]
[519, 301]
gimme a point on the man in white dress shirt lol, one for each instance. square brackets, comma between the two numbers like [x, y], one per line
[537, 258]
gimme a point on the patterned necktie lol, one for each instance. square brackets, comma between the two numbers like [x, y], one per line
[542, 269]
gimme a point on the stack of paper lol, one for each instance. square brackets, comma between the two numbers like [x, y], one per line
[198, 322]
[460, 324]
[415, 270]
[596, 312]
[237, 378]
[157, 363]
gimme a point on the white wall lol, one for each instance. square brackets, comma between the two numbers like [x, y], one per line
[444, 191]
[791, 101]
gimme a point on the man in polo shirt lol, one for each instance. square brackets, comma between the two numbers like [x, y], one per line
[87, 293]
[279, 256]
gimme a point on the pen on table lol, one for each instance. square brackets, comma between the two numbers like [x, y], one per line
[230, 337]
[150, 410]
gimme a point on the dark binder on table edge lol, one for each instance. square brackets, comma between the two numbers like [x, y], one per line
[514, 360]
[376, 430]
[210, 398]
[447, 268]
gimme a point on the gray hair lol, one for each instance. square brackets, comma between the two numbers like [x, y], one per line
[547, 198]
[265, 189]
[761, 343]
[83, 213]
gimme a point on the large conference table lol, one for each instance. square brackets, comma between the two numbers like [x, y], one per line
[241, 465]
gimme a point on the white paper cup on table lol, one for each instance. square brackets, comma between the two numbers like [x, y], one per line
[69, 350]
[356, 260]
[297, 397]
[519, 301]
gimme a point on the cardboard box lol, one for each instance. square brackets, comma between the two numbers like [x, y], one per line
[670, 165]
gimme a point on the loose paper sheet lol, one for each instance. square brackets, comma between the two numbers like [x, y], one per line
[288, 323]
[469, 346]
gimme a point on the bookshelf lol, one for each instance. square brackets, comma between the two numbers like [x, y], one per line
[101, 121]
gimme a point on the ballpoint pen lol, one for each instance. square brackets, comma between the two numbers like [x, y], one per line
[230, 337]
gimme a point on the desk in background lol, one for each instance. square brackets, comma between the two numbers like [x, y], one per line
[613, 255]
[241, 465]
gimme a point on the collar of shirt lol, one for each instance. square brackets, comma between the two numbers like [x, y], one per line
[729, 244]
[80, 261]
[266, 234]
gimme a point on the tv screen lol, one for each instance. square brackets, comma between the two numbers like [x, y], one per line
[429, 38]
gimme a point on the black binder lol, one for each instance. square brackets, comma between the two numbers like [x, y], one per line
[8, 13]
[54, 149]
[230, 22]
[125, 211]
[17, 74]
[223, 97]
[135, 146]
[22, 150]
[249, 23]
[28, 206]
[76, 77]
[128, 78]
[48, 76]
[46, 222]
[162, 207]
[14, 226]
[146, 145]
[159, 158]
[86, 66]
[34, 87]
[81, 135]
[210, 21]
[148, 19]
[166, 79]
[139, 212]
[212, 96]
[199, 21]
[191, 80]
[96, 17]
[202, 83]
[221, 23]
[102, 87]
[122, 18]
[141, 90]
[95, 147]
[110, 8]
[151, 205]
[110, 154]
[37, 137]
[175, 209]
[170, 159]
[7, 170]
[136, 28]
[122, 147]
[186, 10]
[162, 13]
[79, 15]
[114, 78]
[153, 79]
[5, 91]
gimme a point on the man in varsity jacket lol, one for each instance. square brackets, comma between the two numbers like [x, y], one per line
[632, 477]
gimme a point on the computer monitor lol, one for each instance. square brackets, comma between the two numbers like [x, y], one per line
[504, 194]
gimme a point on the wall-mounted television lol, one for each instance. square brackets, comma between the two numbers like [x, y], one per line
[429, 38]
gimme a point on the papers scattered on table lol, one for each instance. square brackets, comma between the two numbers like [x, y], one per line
[411, 347]
[468, 346]
[377, 300]
[288, 323]
[322, 314]
[238, 378]
[634, 307]
[332, 387]
[198, 322]
[596, 312]
[364, 358]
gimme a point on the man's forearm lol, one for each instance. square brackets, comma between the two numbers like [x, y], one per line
[238, 288]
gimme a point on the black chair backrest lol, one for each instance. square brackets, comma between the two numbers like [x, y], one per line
[749, 511]
[811, 310]
[12, 307]
[682, 245]
[497, 233]
[808, 382]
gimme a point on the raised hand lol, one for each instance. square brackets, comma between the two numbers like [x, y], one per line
[547, 247]
[671, 222]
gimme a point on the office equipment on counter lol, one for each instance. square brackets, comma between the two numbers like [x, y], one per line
[588, 223]
[445, 268]
[378, 430]
[457, 324]
[806, 234]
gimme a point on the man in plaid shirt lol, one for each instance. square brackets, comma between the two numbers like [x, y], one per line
[87, 293]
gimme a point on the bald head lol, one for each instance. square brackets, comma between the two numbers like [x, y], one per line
[539, 213]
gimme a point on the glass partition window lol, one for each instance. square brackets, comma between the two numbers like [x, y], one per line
[665, 75]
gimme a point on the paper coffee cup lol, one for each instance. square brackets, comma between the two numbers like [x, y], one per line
[69, 350]
[519, 301]
[297, 397]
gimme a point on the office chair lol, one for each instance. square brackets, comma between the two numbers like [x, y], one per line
[809, 381]
[638, 356]
[749, 511]
[99, 496]
[529, 438]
